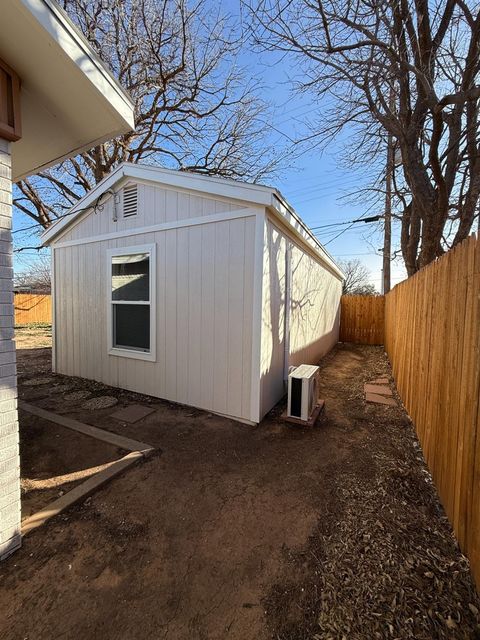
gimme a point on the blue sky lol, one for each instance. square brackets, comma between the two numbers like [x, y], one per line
[314, 184]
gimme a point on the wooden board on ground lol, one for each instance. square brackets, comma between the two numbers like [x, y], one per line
[101, 434]
[138, 450]
[80, 492]
[378, 399]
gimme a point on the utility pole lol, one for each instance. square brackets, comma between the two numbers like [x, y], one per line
[387, 233]
[387, 229]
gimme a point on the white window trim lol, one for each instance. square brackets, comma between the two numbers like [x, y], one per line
[132, 353]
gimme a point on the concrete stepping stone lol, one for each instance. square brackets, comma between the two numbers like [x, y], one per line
[380, 381]
[75, 396]
[100, 402]
[381, 390]
[377, 399]
[37, 382]
[132, 413]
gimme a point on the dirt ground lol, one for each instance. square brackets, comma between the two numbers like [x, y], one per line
[241, 533]
[55, 460]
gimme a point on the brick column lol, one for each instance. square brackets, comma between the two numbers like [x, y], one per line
[9, 451]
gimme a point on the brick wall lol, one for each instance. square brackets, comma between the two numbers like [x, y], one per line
[9, 453]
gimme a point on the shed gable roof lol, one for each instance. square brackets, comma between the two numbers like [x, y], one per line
[207, 185]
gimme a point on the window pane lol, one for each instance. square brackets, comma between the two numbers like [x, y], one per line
[131, 326]
[130, 277]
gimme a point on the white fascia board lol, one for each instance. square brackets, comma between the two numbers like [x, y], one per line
[75, 151]
[70, 102]
[213, 185]
[64, 32]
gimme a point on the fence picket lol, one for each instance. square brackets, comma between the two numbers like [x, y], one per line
[31, 308]
[362, 319]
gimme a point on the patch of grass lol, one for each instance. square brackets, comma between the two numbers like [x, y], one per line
[33, 325]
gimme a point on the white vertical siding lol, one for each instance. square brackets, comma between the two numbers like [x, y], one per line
[313, 305]
[204, 285]
[156, 205]
[235, 318]
[314, 309]
[273, 317]
[207, 343]
[220, 317]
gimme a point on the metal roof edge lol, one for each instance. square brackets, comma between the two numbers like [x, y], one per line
[302, 231]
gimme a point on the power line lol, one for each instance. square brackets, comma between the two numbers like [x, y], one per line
[322, 186]
[330, 174]
[326, 226]
[361, 219]
[307, 112]
[327, 221]
[21, 249]
[349, 255]
[335, 224]
[330, 192]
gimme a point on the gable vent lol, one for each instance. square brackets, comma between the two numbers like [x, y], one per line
[130, 201]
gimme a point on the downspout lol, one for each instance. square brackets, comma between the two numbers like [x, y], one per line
[116, 202]
[286, 336]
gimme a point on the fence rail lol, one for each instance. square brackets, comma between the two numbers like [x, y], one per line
[31, 308]
[432, 337]
[362, 319]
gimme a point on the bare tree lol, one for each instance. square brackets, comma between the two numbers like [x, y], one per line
[194, 108]
[404, 69]
[35, 277]
[357, 278]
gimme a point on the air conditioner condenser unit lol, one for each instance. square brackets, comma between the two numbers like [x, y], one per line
[302, 391]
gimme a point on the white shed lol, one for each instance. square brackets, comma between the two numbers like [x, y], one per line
[191, 288]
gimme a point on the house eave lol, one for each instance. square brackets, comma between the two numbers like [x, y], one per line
[74, 106]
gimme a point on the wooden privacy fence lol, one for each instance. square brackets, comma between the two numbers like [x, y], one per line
[362, 319]
[432, 337]
[31, 308]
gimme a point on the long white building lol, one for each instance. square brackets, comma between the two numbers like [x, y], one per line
[191, 288]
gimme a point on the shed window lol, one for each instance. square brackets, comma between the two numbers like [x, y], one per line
[132, 325]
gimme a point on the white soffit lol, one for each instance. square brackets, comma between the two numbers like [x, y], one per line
[69, 100]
